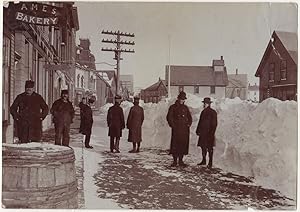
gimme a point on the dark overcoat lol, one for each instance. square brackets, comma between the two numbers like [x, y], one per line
[134, 123]
[207, 127]
[28, 111]
[179, 119]
[81, 106]
[115, 121]
[86, 122]
[63, 112]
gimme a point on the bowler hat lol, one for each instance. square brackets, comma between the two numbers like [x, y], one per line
[136, 98]
[29, 84]
[182, 95]
[118, 97]
[207, 100]
[64, 92]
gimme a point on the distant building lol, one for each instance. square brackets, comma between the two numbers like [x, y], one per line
[199, 80]
[102, 90]
[277, 70]
[126, 81]
[237, 86]
[111, 77]
[253, 93]
[155, 92]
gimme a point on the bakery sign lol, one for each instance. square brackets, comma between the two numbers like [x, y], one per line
[37, 13]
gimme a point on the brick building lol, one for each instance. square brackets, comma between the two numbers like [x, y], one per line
[277, 70]
[155, 92]
[36, 52]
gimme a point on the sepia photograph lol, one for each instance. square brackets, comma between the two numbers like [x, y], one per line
[149, 105]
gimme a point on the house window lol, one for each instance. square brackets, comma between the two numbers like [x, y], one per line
[196, 89]
[212, 89]
[271, 72]
[82, 81]
[181, 88]
[283, 70]
[78, 80]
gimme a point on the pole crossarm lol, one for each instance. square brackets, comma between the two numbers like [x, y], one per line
[120, 42]
[118, 50]
[118, 33]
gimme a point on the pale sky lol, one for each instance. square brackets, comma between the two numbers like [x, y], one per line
[199, 32]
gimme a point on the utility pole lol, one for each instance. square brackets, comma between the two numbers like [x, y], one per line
[118, 49]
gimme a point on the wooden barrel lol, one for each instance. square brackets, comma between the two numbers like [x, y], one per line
[38, 175]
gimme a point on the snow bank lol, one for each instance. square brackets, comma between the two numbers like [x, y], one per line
[257, 140]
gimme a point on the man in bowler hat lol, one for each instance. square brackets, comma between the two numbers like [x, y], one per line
[134, 124]
[86, 121]
[180, 120]
[206, 131]
[116, 123]
[29, 109]
[63, 114]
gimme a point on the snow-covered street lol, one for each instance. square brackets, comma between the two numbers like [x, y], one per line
[145, 180]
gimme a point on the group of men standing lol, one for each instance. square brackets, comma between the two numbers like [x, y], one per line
[29, 109]
[116, 123]
[180, 120]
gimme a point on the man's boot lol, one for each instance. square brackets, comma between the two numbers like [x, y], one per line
[134, 147]
[117, 145]
[174, 161]
[210, 154]
[112, 144]
[138, 147]
[181, 163]
[203, 162]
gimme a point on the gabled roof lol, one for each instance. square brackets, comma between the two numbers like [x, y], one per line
[289, 40]
[237, 81]
[156, 85]
[197, 75]
[103, 79]
[110, 73]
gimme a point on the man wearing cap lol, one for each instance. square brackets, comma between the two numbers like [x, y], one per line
[180, 120]
[29, 109]
[63, 114]
[134, 124]
[116, 123]
[206, 131]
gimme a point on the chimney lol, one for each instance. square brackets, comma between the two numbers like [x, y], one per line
[236, 71]
[221, 57]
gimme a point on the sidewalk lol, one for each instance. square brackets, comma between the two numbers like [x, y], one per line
[75, 140]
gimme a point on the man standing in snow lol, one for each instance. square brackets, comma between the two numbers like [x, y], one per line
[86, 122]
[116, 123]
[29, 109]
[82, 105]
[63, 114]
[134, 124]
[179, 119]
[206, 131]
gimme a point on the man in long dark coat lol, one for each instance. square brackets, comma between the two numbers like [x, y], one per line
[179, 119]
[29, 109]
[87, 122]
[206, 131]
[134, 124]
[116, 123]
[81, 106]
[63, 114]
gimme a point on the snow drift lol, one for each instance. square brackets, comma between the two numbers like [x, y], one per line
[257, 140]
